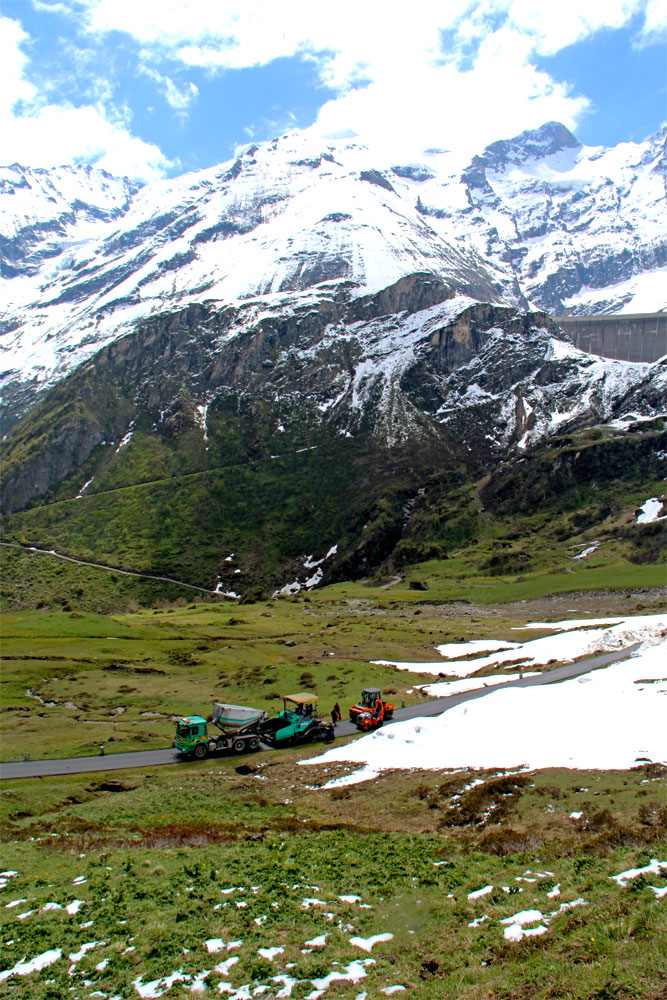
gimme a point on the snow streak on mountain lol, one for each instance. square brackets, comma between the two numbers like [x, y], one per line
[538, 220]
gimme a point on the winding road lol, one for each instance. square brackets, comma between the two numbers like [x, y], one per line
[151, 758]
[111, 569]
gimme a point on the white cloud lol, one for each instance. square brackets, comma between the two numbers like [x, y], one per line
[655, 24]
[36, 132]
[12, 62]
[358, 37]
[500, 95]
[392, 72]
[552, 26]
[179, 98]
[458, 73]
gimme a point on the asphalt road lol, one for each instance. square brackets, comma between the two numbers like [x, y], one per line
[150, 758]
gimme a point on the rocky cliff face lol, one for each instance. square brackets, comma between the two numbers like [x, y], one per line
[314, 427]
[409, 365]
[536, 219]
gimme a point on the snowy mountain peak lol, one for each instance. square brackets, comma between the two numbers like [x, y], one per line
[533, 144]
[539, 219]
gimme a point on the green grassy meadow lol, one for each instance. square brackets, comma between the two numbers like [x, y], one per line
[165, 860]
[123, 877]
[72, 681]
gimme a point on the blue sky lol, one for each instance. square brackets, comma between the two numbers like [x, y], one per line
[152, 88]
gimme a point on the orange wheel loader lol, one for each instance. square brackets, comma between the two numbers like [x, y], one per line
[371, 711]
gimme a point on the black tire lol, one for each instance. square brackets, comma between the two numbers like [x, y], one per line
[239, 746]
[253, 743]
[201, 751]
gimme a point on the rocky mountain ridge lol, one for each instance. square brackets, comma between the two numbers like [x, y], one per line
[537, 219]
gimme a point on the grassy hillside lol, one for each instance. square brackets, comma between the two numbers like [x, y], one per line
[387, 513]
[160, 869]
[126, 878]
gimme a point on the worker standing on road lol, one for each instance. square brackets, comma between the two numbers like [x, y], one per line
[335, 714]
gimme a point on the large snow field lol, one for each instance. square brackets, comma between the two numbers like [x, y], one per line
[611, 718]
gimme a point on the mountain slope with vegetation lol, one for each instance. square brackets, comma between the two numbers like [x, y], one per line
[380, 431]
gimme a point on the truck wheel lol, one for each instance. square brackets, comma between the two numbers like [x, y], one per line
[239, 746]
[201, 751]
[253, 743]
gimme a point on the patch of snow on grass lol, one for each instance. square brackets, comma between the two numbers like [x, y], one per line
[354, 972]
[158, 986]
[478, 893]
[213, 945]
[317, 942]
[364, 774]
[270, 953]
[24, 968]
[85, 486]
[654, 867]
[524, 917]
[566, 906]
[587, 551]
[223, 967]
[650, 511]
[126, 439]
[76, 956]
[288, 985]
[197, 985]
[367, 944]
[516, 933]
[451, 650]
[442, 689]
[579, 639]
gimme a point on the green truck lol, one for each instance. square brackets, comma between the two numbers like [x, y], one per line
[242, 729]
[237, 725]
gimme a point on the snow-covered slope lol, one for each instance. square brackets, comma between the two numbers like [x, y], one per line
[539, 217]
[613, 714]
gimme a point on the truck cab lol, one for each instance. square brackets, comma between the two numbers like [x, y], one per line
[192, 735]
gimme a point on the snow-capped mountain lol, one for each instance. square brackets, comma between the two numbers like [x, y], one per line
[537, 219]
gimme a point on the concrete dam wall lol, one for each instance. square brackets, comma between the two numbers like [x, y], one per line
[639, 337]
